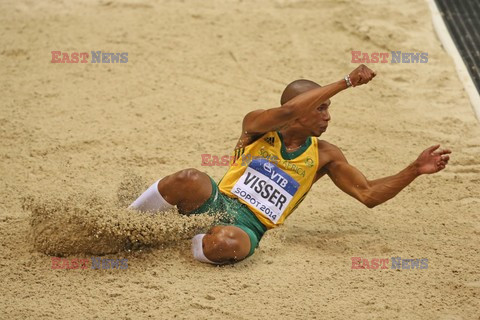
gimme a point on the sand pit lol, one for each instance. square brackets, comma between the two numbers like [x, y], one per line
[70, 132]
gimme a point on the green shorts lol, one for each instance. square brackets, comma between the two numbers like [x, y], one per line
[235, 214]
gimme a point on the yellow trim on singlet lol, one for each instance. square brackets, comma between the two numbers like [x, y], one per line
[301, 166]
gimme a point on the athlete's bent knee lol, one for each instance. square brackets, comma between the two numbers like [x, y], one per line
[189, 176]
[226, 244]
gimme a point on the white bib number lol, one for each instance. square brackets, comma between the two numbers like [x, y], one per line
[267, 188]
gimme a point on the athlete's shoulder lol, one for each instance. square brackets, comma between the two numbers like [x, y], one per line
[326, 146]
[330, 150]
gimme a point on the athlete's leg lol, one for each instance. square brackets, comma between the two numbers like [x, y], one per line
[222, 244]
[187, 189]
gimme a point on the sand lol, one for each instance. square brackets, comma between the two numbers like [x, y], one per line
[78, 141]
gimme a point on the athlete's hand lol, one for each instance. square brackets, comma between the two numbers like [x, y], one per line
[432, 160]
[361, 75]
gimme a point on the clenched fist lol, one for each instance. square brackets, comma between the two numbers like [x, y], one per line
[361, 75]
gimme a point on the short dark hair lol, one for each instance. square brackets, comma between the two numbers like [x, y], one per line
[297, 87]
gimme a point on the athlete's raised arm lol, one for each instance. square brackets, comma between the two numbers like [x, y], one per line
[374, 192]
[261, 121]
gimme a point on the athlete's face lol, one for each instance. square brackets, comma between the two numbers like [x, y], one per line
[317, 121]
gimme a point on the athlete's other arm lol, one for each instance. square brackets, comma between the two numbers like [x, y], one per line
[374, 192]
[261, 121]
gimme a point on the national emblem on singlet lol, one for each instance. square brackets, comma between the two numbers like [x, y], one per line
[270, 181]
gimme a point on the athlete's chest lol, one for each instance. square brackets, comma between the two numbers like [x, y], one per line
[267, 188]
[299, 168]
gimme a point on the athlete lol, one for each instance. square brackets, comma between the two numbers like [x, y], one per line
[277, 159]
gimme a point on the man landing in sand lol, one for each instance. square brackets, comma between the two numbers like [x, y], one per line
[277, 160]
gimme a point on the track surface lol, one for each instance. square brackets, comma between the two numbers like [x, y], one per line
[462, 18]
